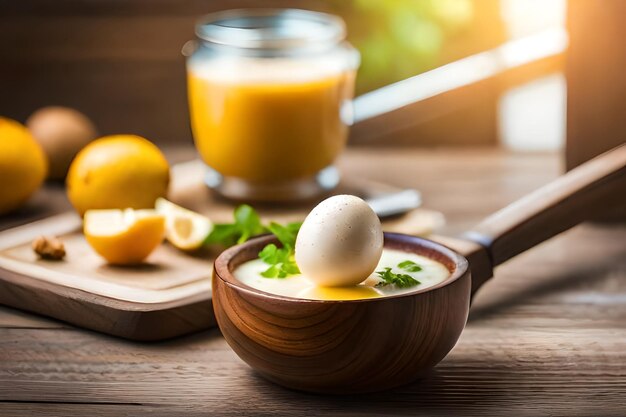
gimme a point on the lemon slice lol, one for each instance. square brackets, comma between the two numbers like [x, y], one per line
[124, 237]
[185, 229]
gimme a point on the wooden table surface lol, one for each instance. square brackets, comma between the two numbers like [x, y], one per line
[546, 337]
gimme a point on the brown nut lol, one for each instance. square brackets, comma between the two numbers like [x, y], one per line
[49, 247]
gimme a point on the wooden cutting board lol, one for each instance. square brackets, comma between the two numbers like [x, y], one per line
[170, 294]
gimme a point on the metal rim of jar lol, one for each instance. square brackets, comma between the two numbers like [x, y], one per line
[271, 29]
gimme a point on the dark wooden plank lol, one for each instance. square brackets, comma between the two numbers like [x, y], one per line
[596, 86]
[139, 7]
[15, 319]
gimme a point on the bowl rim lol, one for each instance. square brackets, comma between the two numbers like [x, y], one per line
[222, 269]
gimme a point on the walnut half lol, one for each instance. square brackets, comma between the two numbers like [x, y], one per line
[49, 247]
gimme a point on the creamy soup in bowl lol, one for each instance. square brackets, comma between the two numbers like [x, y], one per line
[426, 271]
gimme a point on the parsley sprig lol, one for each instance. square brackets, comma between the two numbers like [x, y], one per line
[409, 266]
[400, 280]
[281, 260]
[247, 224]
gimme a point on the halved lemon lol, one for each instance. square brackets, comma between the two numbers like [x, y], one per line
[185, 229]
[124, 237]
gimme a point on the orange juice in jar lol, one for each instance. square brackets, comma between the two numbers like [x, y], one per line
[270, 100]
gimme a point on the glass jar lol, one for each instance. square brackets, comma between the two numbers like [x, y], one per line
[270, 95]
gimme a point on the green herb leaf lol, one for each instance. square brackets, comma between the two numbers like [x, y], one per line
[409, 266]
[281, 260]
[285, 234]
[290, 268]
[294, 227]
[225, 234]
[271, 272]
[247, 224]
[400, 280]
[272, 255]
[269, 254]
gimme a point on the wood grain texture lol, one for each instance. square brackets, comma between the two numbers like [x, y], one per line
[545, 337]
[596, 85]
[590, 190]
[339, 347]
[477, 255]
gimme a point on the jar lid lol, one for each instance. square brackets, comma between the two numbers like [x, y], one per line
[271, 28]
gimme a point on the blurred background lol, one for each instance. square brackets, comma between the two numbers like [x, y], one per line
[120, 62]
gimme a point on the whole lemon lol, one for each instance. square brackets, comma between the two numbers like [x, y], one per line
[23, 165]
[117, 172]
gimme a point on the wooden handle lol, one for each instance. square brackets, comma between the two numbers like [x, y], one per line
[582, 194]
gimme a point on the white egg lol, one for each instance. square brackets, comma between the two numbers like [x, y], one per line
[340, 242]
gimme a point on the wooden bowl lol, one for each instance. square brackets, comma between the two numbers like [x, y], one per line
[340, 347]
